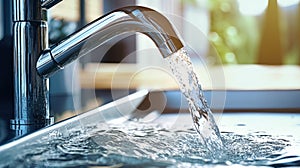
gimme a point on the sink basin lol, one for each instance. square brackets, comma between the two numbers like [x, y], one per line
[142, 130]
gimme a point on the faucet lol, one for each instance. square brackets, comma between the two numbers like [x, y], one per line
[35, 61]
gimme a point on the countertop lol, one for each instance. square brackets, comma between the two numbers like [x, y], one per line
[226, 77]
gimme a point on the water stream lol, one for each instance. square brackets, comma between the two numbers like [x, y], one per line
[203, 119]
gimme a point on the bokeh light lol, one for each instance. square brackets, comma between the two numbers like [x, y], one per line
[287, 3]
[252, 7]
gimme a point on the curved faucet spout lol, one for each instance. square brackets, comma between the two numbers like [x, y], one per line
[117, 24]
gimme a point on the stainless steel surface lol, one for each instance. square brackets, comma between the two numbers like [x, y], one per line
[118, 24]
[31, 90]
[120, 109]
[34, 62]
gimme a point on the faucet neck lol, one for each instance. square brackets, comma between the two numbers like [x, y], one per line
[112, 26]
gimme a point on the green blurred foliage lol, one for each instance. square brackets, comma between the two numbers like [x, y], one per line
[233, 35]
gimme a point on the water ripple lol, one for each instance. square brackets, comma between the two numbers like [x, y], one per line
[136, 144]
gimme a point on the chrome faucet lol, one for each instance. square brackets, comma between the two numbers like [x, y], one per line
[34, 61]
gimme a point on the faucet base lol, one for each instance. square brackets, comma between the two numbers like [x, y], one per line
[22, 127]
[28, 122]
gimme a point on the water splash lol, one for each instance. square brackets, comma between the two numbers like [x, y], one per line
[204, 121]
[136, 144]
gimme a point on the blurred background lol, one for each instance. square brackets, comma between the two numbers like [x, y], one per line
[243, 32]
[243, 45]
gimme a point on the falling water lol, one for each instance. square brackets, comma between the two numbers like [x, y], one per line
[204, 121]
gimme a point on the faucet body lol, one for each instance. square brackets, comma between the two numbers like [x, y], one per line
[31, 106]
[115, 25]
[34, 61]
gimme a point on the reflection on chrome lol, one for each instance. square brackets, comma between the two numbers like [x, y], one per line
[35, 61]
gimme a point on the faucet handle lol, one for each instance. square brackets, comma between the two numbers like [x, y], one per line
[49, 3]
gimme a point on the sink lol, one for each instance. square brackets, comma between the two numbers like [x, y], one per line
[144, 130]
